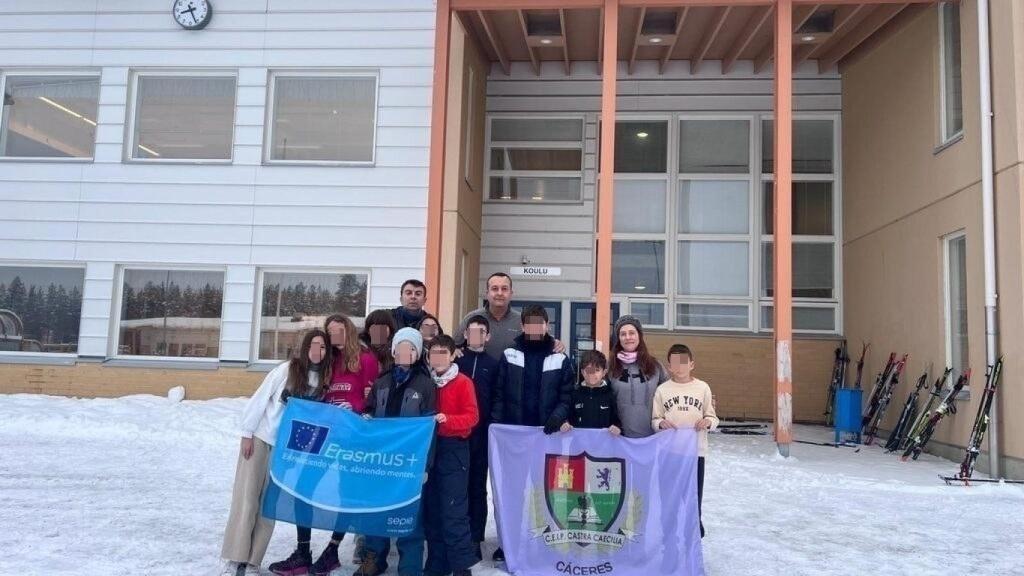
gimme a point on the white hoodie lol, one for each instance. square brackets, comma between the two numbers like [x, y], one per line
[262, 413]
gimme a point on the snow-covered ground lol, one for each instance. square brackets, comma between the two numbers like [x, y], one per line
[141, 485]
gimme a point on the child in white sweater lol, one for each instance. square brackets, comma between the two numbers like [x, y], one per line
[686, 402]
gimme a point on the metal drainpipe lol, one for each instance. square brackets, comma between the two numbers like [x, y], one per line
[988, 221]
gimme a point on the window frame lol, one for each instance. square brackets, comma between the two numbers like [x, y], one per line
[5, 73]
[947, 299]
[627, 304]
[945, 136]
[9, 356]
[115, 317]
[268, 122]
[132, 104]
[535, 144]
[254, 344]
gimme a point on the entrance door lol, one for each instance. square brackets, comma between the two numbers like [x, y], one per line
[583, 318]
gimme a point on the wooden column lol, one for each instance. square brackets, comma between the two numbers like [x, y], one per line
[438, 122]
[606, 181]
[783, 264]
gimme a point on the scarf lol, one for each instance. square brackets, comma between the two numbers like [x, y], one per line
[401, 374]
[626, 357]
[410, 318]
[448, 376]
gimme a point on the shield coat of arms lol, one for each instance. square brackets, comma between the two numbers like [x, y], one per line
[583, 492]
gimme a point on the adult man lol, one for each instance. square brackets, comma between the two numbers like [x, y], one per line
[505, 323]
[413, 296]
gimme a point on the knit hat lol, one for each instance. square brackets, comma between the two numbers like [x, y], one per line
[410, 335]
[630, 321]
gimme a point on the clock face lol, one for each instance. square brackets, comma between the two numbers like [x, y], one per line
[192, 14]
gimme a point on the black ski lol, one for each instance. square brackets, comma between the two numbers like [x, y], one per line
[860, 365]
[949, 480]
[877, 389]
[884, 398]
[992, 374]
[899, 432]
[838, 381]
[947, 406]
[923, 415]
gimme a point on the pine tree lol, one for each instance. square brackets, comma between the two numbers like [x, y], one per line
[16, 295]
[3, 295]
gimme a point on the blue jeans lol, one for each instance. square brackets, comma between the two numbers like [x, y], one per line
[410, 551]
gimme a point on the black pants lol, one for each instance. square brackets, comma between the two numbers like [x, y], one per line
[700, 492]
[478, 484]
[304, 534]
[449, 542]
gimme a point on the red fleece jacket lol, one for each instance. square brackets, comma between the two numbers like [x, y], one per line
[457, 401]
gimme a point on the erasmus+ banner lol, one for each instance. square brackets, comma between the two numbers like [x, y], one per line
[334, 470]
[587, 503]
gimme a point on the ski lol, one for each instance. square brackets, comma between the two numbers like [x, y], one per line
[884, 398]
[947, 406]
[949, 480]
[922, 415]
[899, 432]
[876, 390]
[860, 365]
[992, 375]
[838, 381]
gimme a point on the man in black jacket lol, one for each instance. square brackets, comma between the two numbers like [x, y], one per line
[534, 382]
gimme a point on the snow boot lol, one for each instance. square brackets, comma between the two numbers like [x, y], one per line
[295, 565]
[327, 561]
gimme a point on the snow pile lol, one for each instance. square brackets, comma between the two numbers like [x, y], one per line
[142, 485]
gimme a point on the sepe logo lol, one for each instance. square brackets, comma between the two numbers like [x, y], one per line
[306, 437]
[584, 497]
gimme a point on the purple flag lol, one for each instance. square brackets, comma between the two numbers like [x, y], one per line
[587, 503]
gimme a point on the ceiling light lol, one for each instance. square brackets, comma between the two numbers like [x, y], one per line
[545, 40]
[641, 135]
[807, 38]
[150, 150]
[66, 109]
[656, 40]
[639, 287]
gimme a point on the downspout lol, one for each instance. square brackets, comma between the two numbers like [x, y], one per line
[988, 222]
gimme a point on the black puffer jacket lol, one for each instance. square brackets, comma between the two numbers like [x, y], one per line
[534, 385]
[594, 407]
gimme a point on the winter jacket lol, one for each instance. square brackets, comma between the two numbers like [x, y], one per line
[348, 389]
[534, 384]
[416, 397]
[457, 401]
[483, 371]
[262, 413]
[406, 320]
[685, 404]
[635, 398]
[594, 407]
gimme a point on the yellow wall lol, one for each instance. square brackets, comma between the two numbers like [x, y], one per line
[901, 195]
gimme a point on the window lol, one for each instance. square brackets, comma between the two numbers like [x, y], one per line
[805, 318]
[49, 116]
[957, 345]
[327, 117]
[641, 147]
[535, 160]
[170, 313]
[183, 117]
[638, 267]
[812, 146]
[650, 314]
[40, 309]
[712, 316]
[294, 302]
[714, 146]
[639, 206]
[951, 91]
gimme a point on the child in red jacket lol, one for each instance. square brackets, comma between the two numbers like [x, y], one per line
[450, 546]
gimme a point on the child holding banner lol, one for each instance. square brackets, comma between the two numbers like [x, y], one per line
[593, 401]
[446, 508]
[686, 402]
[405, 391]
[305, 376]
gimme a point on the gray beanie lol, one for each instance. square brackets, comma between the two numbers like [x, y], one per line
[630, 321]
[410, 335]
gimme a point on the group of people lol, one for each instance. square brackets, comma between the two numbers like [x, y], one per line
[500, 366]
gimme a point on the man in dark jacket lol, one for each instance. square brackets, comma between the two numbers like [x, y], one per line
[413, 296]
[483, 370]
[406, 391]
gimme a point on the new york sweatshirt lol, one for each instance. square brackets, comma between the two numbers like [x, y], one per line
[683, 405]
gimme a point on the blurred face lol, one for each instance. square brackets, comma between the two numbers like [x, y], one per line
[429, 329]
[379, 335]
[499, 291]
[413, 297]
[680, 366]
[629, 338]
[336, 330]
[317, 350]
[476, 336]
[440, 359]
[535, 328]
[405, 354]
[593, 375]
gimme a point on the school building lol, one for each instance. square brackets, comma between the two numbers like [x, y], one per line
[182, 194]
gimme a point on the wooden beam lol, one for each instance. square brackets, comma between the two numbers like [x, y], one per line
[524, 4]
[681, 15]
[526, 40]
[844, 21]
[565, 41]
[754, 24]
[694, 3]
[636, 40]
[871, 24]
[600, 44]
[438, 123]
[709, 38]
[492, 37]
[606, 181]
[801, 16]
[783, 219]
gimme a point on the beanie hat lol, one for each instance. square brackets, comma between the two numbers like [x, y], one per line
[410, 335]
[627, 321]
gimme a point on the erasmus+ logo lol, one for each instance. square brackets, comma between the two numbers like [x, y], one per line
[307, 437]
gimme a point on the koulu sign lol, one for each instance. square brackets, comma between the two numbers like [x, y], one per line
[538, 271]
